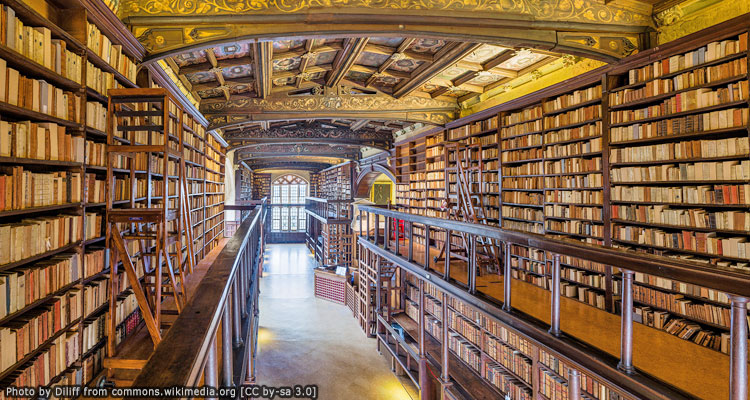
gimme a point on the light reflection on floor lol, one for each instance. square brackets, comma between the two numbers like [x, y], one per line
[304, 340]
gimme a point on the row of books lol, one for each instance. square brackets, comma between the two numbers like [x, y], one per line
[593, 129]
[100, 81]
[677, 303]
[572, 99]
[681, 287]
[706, 122]
[585, 228]
[573, 181]
[710, 52]
[696, 77]
[737, 146]
[573, 211]
[112, 54]
[530, 214]
[466, 351]
[508, 357]
[37, 44]
[705, 194]
[574, 197]
[584, 277]
[95, 295]
[34, 236]
[526, 128]
[521, 141]
[39, 141]
[527, 114]
[591, 387]
[24, 286]
[523, 198]
[573, 165]
[699, 171]
[522, 155]
[96, 116]
[523, 226]
[22, 189]
[52, 362]
[702, 242]
[24, 335]
[576, 148]
[536, 182]
[685, 101]
[471, 129]
[575, 116]
[511, 387]
[531, 168]
[37, 95]
[692, 217]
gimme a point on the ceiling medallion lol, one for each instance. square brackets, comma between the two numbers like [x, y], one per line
[398, 56]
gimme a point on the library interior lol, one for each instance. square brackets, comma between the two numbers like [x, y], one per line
[392, 199]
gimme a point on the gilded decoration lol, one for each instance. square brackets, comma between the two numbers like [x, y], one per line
[569, 10]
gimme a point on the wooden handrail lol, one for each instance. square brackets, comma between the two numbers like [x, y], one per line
[725, 279]
[227, 292]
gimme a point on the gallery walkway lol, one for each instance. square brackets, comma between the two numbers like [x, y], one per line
[304, 340]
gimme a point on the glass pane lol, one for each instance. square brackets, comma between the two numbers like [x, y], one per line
[285, 194]
[293, 194]
[276, 194]
[285, 218]
[302, 192]
[276, 224]
[293, 222]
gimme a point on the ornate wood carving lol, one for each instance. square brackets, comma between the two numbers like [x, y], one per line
[328, 103]
[314, 132]
[265, 150]
[263, 53]
[285, 164]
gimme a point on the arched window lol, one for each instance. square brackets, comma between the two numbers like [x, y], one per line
[288, 194]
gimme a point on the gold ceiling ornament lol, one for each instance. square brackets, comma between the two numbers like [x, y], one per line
[484, 74]
[305, 76]
[309, 56]
[398, 56]
[542, 10]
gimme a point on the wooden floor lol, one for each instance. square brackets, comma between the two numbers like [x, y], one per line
[695, 369]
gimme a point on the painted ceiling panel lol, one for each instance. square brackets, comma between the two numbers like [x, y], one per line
[286, 64]
[405, 65]
[430, 46]
[522, 59]
[234, 50]
[485, 79]
[238, 71]
[286, 45]
[358, 76]
[201, 77]
[485, 53]
[371, 59]
[386, 41]
[195, 57]
[324, 58]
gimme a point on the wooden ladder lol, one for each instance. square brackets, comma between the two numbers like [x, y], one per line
[469, 206]
[151, 235]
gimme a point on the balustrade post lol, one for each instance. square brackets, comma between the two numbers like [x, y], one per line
[360, 222]
[472, 264]
[427, 229]
[555, 317]
[368, 226]
[386, 233]
[397, 234]
[574, 384]
[411, 241]
[424, 376]
[236, 314]
[210, 377]
[738, 349]
[447, 269]
[377, 228]
[226, 347]
[508, 272]
[626, 327]
[445, 359]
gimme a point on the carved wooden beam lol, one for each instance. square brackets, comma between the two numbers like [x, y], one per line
[376, 71]
[346, 59]
[205, 66]
[300, 52]
[392, 57]
[315, 132]
[446, 57]
[261, 164]
[387, 51]
[359, 124]
[305, 61]
[262, 54]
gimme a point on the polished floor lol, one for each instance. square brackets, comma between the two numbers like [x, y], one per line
[304, 340]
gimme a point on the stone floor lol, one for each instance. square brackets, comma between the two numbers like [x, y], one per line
[304, 340]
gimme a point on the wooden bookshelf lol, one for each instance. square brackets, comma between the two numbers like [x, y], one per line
[213, 223]
[261, 186]
[490, 358]
[97, 53]
[625, 157]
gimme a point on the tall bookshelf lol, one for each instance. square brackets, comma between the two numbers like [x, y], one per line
[86, 51]
[261, 186]
[650, 154]
[213, 224]
[494, 360]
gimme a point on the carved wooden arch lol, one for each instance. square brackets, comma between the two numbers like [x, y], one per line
[587, 28]
[367, 176]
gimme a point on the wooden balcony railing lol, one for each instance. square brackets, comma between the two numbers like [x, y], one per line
[620, 373]
[226, 302]
[329, 211]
